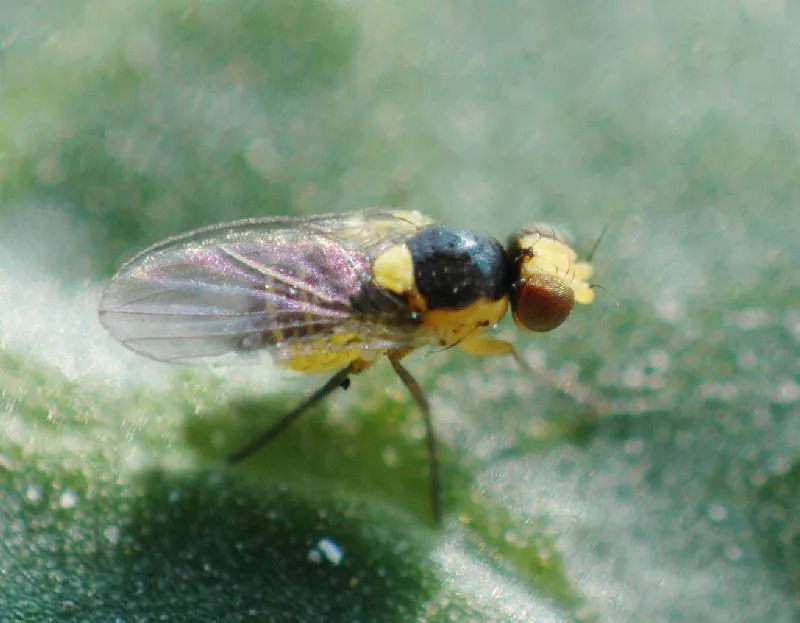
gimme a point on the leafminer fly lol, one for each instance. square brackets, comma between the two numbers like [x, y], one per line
[334, 292]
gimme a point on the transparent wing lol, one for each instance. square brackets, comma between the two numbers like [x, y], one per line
[273, 284]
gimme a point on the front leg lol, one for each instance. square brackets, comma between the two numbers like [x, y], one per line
[486, 346]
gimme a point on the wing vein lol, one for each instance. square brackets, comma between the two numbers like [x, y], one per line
[287, 280]
[234, 287]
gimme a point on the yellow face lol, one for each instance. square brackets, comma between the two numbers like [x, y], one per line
[554, 257]
[549, 280]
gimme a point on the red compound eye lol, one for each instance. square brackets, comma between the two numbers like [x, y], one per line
[542, 302]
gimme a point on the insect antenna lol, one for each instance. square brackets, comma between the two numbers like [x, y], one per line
[597, 286]
[433, 450]
[340, 379]
[597, 243]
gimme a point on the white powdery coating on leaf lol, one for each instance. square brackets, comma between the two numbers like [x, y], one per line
[54, 322]
[502, 598]
[633, 551]
[57, 323]
[327, 549]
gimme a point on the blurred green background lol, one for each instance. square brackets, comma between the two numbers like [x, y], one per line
[664, 485]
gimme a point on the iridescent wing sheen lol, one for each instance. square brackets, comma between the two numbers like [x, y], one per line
[272, 284]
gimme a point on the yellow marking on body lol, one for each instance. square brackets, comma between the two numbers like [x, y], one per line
[328, 353]
[451, 326]
[554, 257]
[394, 269]
[485, 345]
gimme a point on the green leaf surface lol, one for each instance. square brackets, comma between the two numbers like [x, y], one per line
[650, 469]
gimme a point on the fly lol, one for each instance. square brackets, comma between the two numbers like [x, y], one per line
[333, 293]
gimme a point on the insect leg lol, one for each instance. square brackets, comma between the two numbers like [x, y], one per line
[579, 392]
[433, 451]
[340, 379]
[488, 346]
